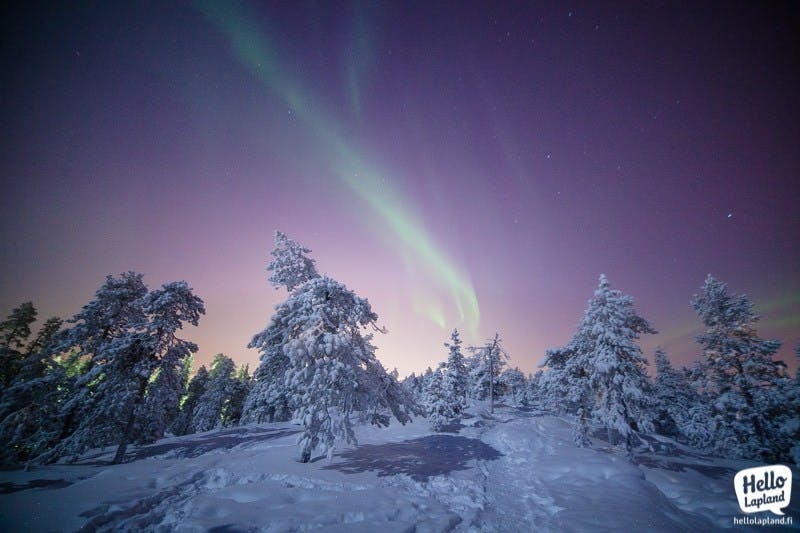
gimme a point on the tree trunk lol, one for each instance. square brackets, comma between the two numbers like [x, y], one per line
[127, 435]
[491, 374]
[491, 384]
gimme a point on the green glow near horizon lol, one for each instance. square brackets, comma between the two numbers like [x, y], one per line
[251, 47]
[780, 312]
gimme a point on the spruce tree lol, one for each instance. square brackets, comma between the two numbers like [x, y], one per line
[455, 376]
[439, 400]
[603, 369]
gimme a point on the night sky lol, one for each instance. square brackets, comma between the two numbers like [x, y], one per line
[470, 165]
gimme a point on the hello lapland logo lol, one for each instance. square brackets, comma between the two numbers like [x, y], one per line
[765, 488]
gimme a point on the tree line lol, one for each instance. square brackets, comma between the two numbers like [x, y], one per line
[118, 373]
[735, 401]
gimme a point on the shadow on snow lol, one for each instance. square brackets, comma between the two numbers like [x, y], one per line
[8, 488]
[420, 458]
[191, 447]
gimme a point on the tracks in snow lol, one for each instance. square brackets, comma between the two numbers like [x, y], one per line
[517, 499]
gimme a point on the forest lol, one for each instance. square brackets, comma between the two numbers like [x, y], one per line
[118, 373]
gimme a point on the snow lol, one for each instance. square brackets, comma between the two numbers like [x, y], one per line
[515, 470]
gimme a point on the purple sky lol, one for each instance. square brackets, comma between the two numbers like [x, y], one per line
[520, 151]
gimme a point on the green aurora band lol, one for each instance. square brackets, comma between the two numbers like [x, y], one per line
[251, 47]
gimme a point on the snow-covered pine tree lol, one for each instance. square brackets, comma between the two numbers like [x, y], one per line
[428, 374]
[197, 386]
[514, 386]
[332, 369]
[99, 327]
[316, 363]
[14, 333]
[242, 385]
[604, 369]
[673, 397]
[780, 407]
[267, 400]
[290, 266]
[439, 400]
[157, 349]
[386, 397]
[533, 392]
[741, 375]
[455, 375]
[162, 402]
[44, 337]
[413, 386]
[210, 407]
[797, 373]
[698, 428]
[794, 450]
[555, 391]
[485, 366]
[29, 406]
[128, 334]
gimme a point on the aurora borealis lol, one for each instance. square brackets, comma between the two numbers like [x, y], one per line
[471, 165]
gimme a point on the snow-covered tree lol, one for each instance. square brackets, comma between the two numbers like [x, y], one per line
[554, 391]
[673, 397]
[14, 333]
[127, 334]
[439, 400]
[162, 402]
[210, 407]
[741, 376]
[533, 391]
[797, 374]
[514, 386]
[332, 369]
[267, 400]
[603, 369]
[290, 266]
[87, 417]
[29, 422]
[413, 384]
[242, 384]
[485, 366]
[317, 365]
[197, 387]
[455, 376]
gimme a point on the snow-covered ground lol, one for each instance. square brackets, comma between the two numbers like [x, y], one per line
[514, 471]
